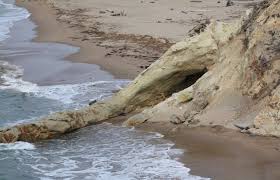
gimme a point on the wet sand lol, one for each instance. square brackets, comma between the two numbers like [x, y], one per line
[211, 152]
[223, 154]
[46, 63]
[220, 153]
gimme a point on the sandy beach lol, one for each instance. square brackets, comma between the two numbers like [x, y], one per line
[124, 44]
[223, 154]
[124, 39]
[220, 153]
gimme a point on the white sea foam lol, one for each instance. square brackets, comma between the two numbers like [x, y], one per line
[12, 78]
[9, 14]
[107, 152]
[66, 93]
[17, 146]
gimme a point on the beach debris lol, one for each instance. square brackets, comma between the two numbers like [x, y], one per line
[229, 3]
[102, 12]
[110, 11]
[92, 102]
[242, 126]
[122, 13]
[144, 67]
[203, 23]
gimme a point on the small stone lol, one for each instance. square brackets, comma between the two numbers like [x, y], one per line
[174, 119]
[193, 122]
[115, 91]
[244, 131]
[189, 116]
[116, 14]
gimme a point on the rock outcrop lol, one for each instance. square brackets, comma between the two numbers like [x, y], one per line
[227, 74]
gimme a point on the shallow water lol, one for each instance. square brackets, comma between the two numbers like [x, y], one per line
[99, 152]
[8, 15]
[36, 81]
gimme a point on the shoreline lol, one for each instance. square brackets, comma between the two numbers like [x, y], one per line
[90, 53]
[198, 152]
[219, 153]
[223, 154]
[84, 55]
[44, 63]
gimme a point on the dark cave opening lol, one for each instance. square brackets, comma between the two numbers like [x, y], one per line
[188, 81]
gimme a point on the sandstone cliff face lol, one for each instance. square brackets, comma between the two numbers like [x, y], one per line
[228, 75]
[240, 88]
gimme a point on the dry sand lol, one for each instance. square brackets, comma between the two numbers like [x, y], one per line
[125, 36]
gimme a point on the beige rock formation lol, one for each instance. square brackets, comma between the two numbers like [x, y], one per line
[241, 86]
[228, 75]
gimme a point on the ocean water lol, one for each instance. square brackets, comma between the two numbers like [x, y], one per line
[102, 152]
[8, 15]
